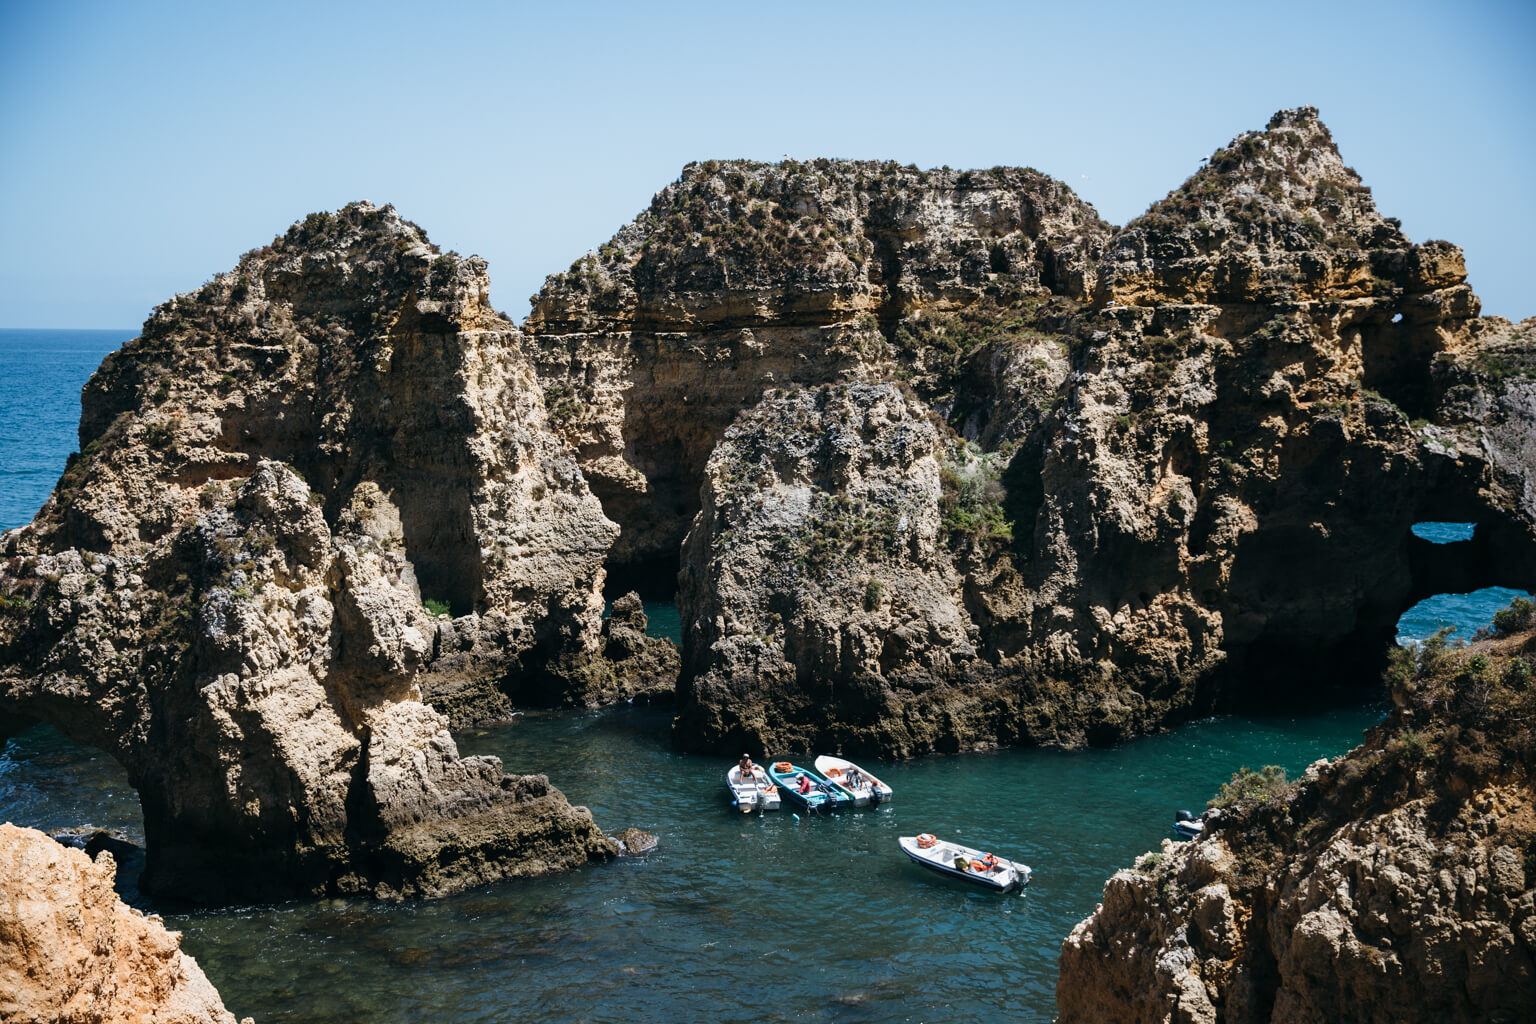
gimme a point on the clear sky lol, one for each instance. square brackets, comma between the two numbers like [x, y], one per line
[145, 146]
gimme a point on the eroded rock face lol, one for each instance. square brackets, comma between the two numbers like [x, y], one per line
[70, 950]
[226, 588]
[817, 586]
[258, 677]
[743, 276]
[1189, 486]
[1393, 884]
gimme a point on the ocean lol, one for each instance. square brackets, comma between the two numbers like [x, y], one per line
[763, 917]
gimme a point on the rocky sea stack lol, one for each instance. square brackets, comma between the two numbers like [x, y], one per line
[1000, 472]
[931, 460]
[310, 489]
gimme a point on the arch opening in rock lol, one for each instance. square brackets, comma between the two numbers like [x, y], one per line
[78, 793]
[1464, 613]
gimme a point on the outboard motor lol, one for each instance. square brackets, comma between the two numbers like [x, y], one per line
[1183, 816]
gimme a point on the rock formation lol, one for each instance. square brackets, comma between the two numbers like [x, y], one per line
[1195, 449]
[999, 473]
[71, 951]
[1395, 883]
[225, 590]
[743, 276]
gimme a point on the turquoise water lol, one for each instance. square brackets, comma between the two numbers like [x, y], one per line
[1465, 613]
[1444, 533]
[732, 917]
[41, 374]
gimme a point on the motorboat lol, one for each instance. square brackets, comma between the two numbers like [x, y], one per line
[1187, 825]
[866, 789]
[820, 793]
[754, 793]
[984, 869]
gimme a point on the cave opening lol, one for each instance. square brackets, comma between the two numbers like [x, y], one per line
[653, 577]
[1458, 583]
[1397, 356]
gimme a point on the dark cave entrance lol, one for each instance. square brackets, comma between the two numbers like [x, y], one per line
[653, 577]
[1463, 558]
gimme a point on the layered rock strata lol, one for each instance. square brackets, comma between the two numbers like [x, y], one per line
[226, 590]
[1189, 474]
[1393, 884]
[743, 276]
[70, 950]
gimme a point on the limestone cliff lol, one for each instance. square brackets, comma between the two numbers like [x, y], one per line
[71, 951]
[743, 276]
[1191, 472]
[1392, 884]
[816, 585]
[226, 588]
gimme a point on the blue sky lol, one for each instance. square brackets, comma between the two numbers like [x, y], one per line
[146, 146]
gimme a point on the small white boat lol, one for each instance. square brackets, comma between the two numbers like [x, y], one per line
[1187, 826]
[866, 789]
[962, 862]
[753, 793]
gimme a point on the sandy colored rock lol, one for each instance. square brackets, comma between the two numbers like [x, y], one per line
[227, 588]
[71, 952]
[1391, 884]
[1187, 487]
[743, 276]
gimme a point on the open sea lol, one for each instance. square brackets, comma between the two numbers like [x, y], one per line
[762, 917]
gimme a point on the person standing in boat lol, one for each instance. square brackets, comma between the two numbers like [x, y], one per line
[748, 776]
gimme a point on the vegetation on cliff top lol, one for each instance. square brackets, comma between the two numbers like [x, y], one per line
[1463, 715]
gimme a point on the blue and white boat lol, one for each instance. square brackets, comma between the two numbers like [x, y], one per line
[815, 794]
[1187, 826]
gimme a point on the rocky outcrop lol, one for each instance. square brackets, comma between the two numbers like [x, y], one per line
[1395, 883]
[71, 951]
[817, 586]
[1191, 477]
[744, 276]
[1000, 474]
[226, 589]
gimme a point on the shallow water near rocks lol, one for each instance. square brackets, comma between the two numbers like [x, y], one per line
[732, 917]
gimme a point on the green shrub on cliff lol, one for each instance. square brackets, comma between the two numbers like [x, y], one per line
[1247, 787]
[1517, 616]
[971, 504]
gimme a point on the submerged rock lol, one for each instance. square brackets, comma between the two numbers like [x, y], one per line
[70, 950]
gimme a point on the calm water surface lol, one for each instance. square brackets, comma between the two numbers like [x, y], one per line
[732, 917]
[41, 374]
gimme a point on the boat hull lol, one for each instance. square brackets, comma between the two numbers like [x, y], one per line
[940, 859]
[838, 769]
[824, 795]
[757, 794]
